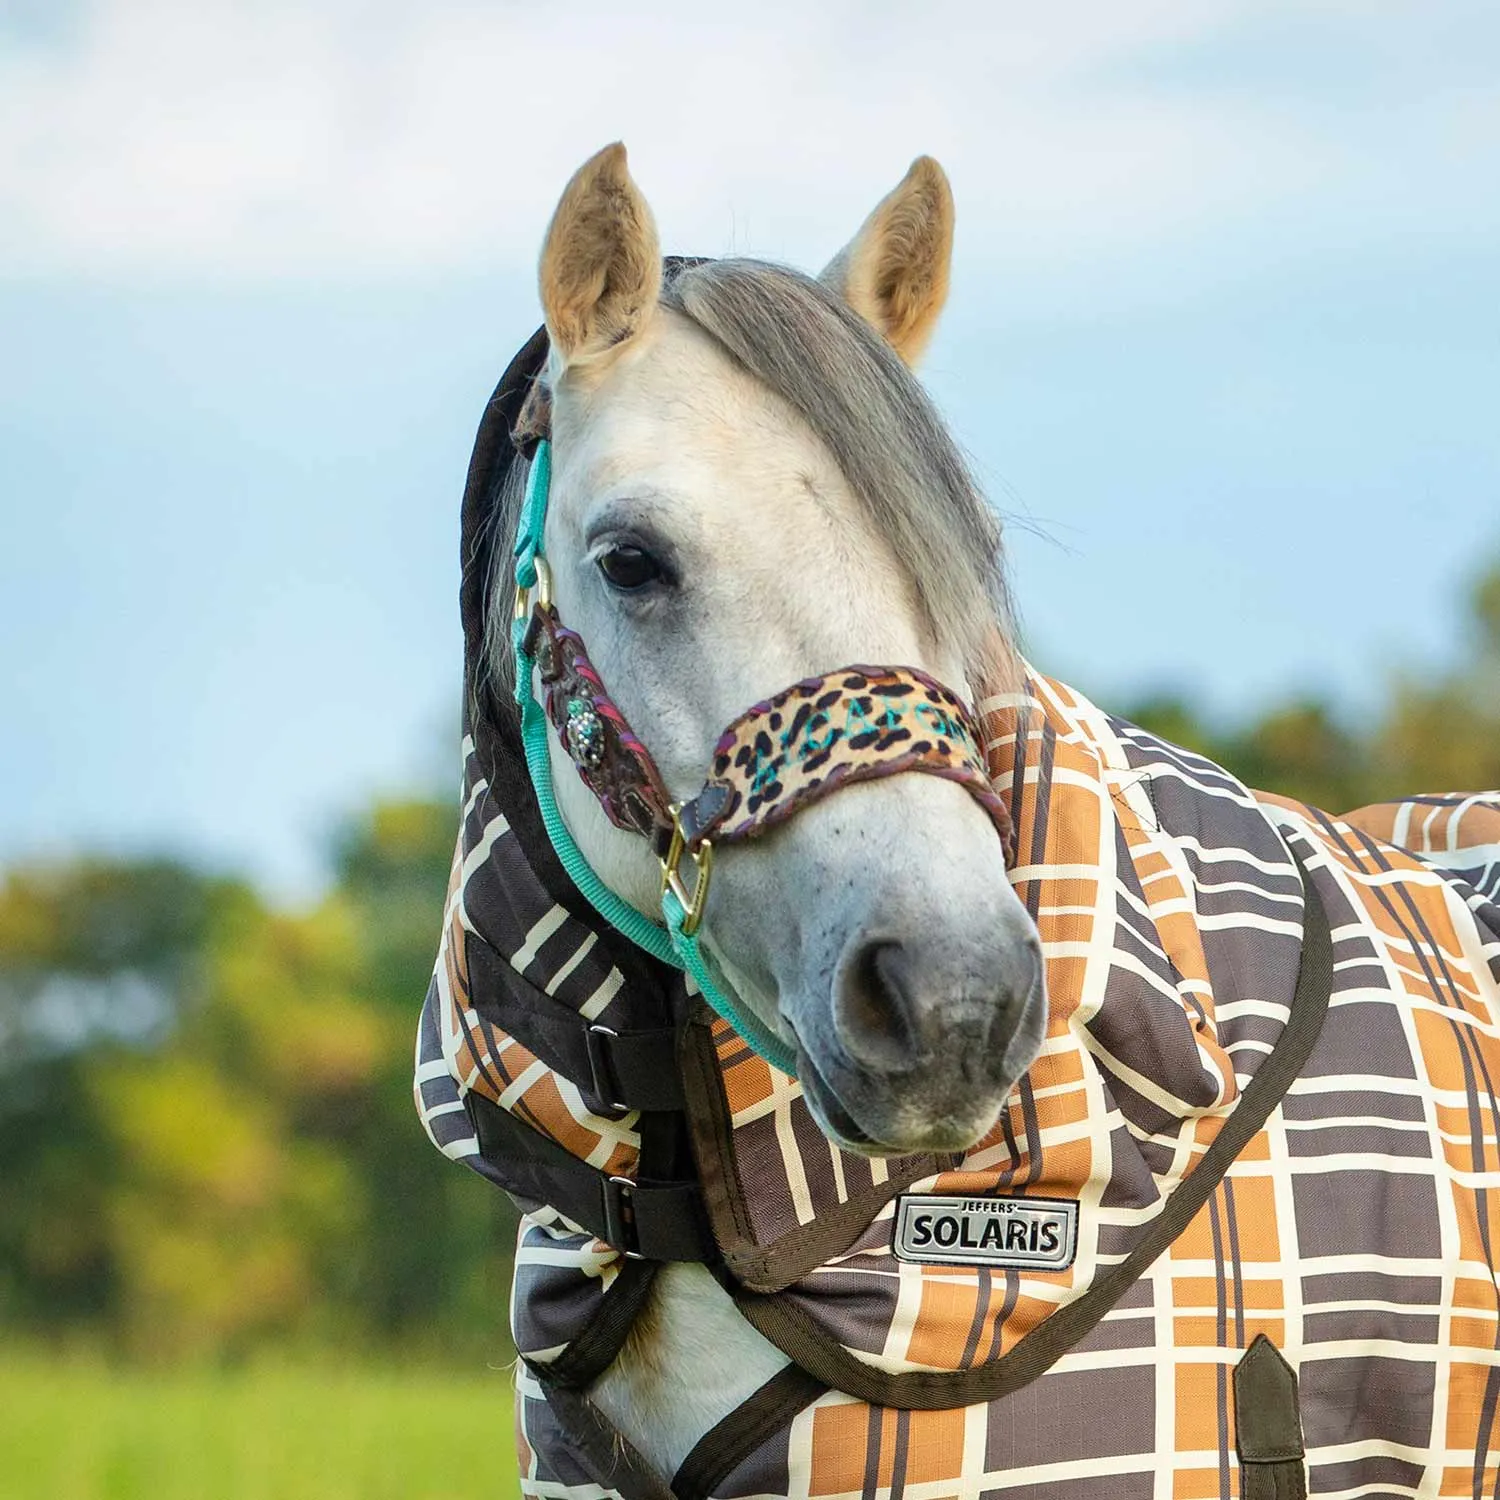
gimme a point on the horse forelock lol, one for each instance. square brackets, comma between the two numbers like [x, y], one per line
[803, 342]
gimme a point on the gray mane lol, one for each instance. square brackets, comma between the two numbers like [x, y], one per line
[804, 343]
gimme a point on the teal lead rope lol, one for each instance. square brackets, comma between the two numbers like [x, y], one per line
[757, 1037]
[670, 944]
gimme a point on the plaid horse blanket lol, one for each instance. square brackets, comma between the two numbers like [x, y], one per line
[1278, 1284]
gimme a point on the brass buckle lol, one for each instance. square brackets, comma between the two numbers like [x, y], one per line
[695, 900]
[542, 589]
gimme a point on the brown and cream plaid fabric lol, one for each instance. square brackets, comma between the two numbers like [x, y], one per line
[495, 900]
[1143, 1059]
[1357, 1230]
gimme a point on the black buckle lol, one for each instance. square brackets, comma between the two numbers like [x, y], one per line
[601, 1067]
[619, 1216]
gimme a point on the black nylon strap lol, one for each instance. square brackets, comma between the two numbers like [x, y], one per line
[643, 1065]
[653, 1220]
[614, 1070]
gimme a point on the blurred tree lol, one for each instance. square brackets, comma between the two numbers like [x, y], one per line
[97, 951]
[393, 866]
[436, 1246]
[1437, 733]
[1445, 733]
[1302, 751]
[1173, 718]
[96, 958]
[207, 1138]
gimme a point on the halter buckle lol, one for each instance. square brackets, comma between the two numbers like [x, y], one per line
[606, 1086]
[692, 901]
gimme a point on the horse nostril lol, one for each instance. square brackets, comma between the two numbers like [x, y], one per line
[873, 1009]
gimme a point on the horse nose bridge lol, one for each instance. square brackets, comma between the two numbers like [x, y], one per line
[917, 847]
[903, 814]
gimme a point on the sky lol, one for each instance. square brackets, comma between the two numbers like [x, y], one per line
[1223, 344]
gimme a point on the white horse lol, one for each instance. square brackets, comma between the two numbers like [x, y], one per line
[718, 531]
[1258, 1048]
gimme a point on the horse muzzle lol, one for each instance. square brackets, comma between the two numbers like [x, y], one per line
[923, 1037]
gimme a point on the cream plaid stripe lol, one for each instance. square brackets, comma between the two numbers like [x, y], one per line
[494, 898]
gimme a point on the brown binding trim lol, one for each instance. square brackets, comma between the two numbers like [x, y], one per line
[608, 1455]
[725, 1446]
[596, 1348]
[808, 1345]
[753, 1266]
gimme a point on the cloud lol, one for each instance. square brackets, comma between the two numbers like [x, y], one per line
[280, 138]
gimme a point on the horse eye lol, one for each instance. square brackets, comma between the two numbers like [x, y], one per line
[629, 568]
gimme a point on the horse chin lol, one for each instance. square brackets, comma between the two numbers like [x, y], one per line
[905, 1131]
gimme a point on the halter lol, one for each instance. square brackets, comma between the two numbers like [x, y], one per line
[782, 755]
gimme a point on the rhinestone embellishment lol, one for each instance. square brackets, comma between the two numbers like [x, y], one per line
[584, 735]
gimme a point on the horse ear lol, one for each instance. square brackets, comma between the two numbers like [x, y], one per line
[600, 271]
[894, 272]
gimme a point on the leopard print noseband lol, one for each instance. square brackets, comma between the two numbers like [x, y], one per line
[855, 724]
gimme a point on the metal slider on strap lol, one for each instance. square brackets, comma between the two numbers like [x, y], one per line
[601, 1067]
[619, 1217]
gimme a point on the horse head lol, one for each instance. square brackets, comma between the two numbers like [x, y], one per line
[749, 488]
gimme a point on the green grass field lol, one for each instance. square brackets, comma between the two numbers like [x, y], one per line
[83, 1431]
